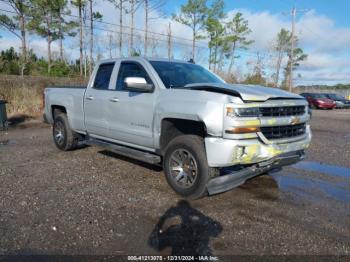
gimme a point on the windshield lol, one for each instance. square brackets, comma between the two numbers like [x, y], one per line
[177, 74]
[318, 95]
[335, 97]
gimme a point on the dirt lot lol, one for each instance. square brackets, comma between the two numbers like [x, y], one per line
[91, 201]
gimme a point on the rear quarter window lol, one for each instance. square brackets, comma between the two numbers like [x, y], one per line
[103, 76]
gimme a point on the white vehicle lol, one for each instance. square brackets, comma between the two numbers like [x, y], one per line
[210, 136]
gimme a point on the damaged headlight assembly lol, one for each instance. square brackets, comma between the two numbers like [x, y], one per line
[243, 112]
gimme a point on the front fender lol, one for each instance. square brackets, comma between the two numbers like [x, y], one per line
[191, 105]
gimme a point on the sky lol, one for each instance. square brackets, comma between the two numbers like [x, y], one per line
[322, 27]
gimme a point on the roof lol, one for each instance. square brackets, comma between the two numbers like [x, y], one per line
[140, 58]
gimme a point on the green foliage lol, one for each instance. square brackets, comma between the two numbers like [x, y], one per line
[10, 64]
[97, 15]
[216, 11]
[255, 79]
[216, 35]
[337, 86]
[12, 23]
[193, 14]
[135, 53]
[237, 31]
[226, 38]
[215, 30]
[65, 27]
[44, 20]
[283, 41]
[78, 3]
[8, 23]
[298, 56]
[60, 69]
[293, 60]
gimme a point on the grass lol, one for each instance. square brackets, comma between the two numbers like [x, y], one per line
[24, 96]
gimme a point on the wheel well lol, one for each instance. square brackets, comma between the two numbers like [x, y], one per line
[57, 110]
[172, 127]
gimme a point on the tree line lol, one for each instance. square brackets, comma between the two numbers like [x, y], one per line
[225, 37]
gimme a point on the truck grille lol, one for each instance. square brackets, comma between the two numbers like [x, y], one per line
[279, 132]
[282, 111]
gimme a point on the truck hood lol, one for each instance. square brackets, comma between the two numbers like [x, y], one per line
[245, 92]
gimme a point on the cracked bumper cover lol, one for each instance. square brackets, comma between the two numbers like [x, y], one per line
[229, 152]
[254, 156]
[236, 178]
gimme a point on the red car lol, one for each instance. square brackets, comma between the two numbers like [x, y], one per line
[319, 101]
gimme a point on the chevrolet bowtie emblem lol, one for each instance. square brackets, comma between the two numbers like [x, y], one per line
[295, 120]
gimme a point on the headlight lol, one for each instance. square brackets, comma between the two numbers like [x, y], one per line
[243, 112]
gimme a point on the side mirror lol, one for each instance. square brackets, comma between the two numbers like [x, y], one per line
[138, 84]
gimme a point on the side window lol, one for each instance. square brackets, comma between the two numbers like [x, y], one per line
[103, 76]
[130, 70]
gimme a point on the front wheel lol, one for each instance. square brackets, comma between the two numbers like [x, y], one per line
[64, 137]
[186, 166]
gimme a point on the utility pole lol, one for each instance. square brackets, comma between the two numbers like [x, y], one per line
[121, 28]
[169, 42]
[294, 13]
[146, 27]
[132, 13]
[91, 38]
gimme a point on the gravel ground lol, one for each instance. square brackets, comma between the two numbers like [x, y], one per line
[90, 201]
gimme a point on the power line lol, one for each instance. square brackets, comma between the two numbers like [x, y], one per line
[118, 25]
[124, 33]
[245, 52]
[308, 29]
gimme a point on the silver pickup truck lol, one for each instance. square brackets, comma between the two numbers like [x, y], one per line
[209, 136]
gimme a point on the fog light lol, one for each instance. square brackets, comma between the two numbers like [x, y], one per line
[239, 152]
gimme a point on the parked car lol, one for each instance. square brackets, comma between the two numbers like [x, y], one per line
[209, 136]
[319, 101]
[341, 102]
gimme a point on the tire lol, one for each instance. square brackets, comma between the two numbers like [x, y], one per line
[64, 137]
[186, 167]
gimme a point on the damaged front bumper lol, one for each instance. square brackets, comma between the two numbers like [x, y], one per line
[247, 158]
[229, 152]
[234, 178]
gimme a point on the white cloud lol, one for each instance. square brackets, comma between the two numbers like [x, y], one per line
[321, 33]
[326, 44]
[264, 26]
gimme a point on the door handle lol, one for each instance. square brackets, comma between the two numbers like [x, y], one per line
[89, 98]
[114, 99]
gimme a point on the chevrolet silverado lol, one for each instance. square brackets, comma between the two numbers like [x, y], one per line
[209, 136]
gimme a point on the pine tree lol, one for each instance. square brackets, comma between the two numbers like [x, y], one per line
[17, 25]
[194, 15]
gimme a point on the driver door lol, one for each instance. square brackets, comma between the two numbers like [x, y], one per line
[131, 117]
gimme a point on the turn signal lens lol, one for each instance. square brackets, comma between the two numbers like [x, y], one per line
[242, 130]
[230, 111]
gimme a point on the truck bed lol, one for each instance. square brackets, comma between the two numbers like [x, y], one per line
[69, 97]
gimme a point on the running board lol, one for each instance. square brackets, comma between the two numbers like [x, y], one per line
[125, 151]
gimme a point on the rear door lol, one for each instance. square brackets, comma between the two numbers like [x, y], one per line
[96, 101]
[131, 116]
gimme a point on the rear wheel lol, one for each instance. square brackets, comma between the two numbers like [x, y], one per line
[64, 137]
[186, 166]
